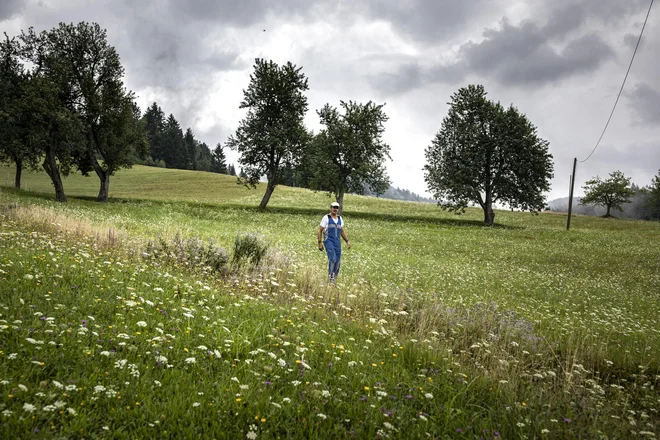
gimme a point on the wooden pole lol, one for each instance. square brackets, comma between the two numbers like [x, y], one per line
[570, 196]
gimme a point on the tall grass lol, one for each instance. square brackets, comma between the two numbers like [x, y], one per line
[543, 329]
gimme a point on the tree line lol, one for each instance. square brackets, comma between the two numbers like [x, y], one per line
[170, 147]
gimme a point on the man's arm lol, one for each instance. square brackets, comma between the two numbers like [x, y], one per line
[320, 235]
[343, 235]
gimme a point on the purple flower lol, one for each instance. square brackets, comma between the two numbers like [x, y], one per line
[567, 420]
[408, 396]
[459, 430]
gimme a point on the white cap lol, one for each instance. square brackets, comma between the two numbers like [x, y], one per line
[333, 204]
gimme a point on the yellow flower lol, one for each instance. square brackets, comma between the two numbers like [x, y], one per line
[366, 388]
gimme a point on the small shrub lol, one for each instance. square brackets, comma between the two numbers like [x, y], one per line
[248, 249]
[192, 252]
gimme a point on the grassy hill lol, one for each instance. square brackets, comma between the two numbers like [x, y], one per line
[513, 330]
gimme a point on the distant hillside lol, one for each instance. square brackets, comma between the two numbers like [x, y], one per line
[396, 193]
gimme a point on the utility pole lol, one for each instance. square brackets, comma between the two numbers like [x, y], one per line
[570, 196]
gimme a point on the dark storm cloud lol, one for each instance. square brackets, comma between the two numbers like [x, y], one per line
[426, 20]
[171, 55]
[632, 159]
[564, 20]
[630, 40]
[240, 13]
[522, 55]
[9, 8]
[645, 103]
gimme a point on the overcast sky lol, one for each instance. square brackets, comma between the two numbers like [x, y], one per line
[561, 63]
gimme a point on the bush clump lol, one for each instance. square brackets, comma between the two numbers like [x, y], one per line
[192, 252]
[248, 249]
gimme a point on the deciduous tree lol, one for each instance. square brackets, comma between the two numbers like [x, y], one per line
[272, 133]
[611, 193]
[349, 153]
[89, 76]
[16, 134]
[486, 154]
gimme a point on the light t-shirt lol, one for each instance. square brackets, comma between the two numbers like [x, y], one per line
[324, 224]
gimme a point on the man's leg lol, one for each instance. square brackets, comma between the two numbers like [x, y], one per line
[332, 261]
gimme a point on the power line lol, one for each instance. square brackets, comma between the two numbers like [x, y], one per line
[622, 85]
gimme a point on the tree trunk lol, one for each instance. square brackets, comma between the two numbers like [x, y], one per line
[489, 214]
[19, 171]
[104, 176]
[53, 171]
[270, 187]
[340, 200]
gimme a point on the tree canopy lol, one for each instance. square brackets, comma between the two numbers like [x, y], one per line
[272, 133]
[349, 153]
[610, 193]
[486, 154]
[653, 202]
[16, 135]
[219, 160]
[88, 74]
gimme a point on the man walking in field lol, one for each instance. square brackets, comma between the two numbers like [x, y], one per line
[332, 227]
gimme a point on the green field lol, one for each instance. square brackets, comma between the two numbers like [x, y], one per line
[521, 330]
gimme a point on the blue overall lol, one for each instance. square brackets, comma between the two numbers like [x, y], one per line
[332, 244]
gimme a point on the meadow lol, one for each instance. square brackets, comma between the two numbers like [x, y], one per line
[438, 327]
